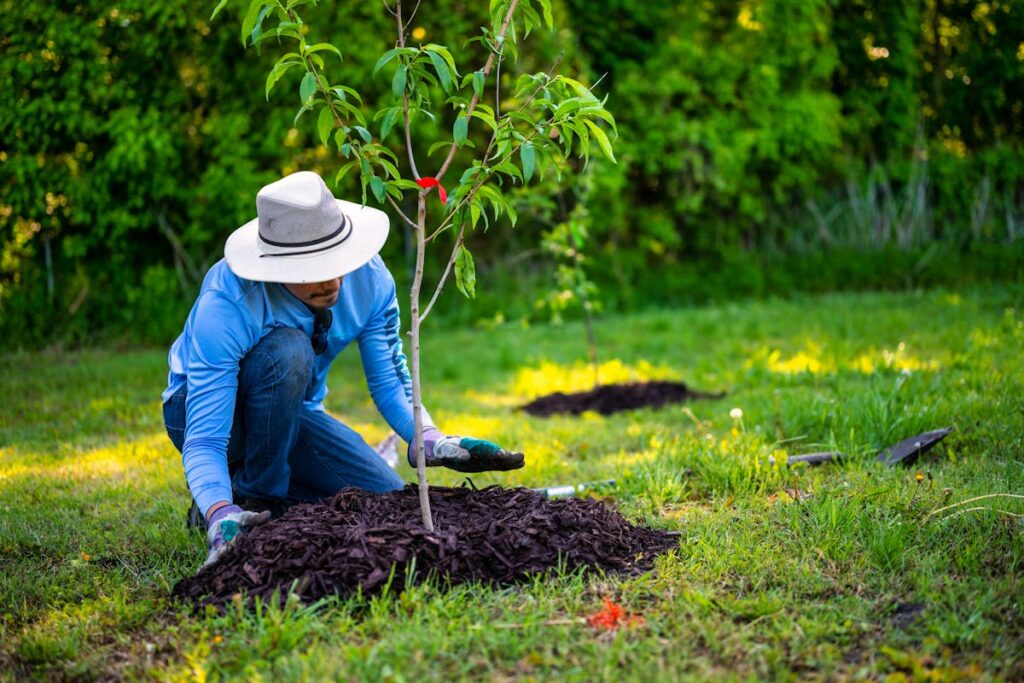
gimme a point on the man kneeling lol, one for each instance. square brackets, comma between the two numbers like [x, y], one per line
[244, 401]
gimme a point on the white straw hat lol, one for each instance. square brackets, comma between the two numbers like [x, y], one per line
[303, 234]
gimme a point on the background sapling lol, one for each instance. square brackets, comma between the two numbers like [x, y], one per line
[567, 243]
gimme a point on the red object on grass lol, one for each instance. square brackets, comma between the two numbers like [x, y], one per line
[613, 616]
[431, 181]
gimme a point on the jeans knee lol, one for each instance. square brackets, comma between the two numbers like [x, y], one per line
[284, 355]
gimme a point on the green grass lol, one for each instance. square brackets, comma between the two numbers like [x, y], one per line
[780, 573]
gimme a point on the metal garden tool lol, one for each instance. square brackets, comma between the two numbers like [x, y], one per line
[810, 458]
[570, 490]
[908, 450]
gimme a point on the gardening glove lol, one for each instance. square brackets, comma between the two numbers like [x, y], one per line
[225, 525]
[465, 454]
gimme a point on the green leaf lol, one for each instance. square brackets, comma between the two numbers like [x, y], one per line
[352, 111]
[276, 73]
[460, 130]
[406, 184]
[218, 8]
[257, 30]
[465, 272]
[438, 145]
[251, 17]
[478, 83]
[344, 170]
[364, 176]
[601, 113]
[398, 82]
[308, 87]
[389, 122]
[384, 59]
[364, 134]
[445, 54]
[381, 150]
[319, 47]
[566, 107]
[303, 109]
[441, 67]
[340, 91]
[545, 6]
[325, 124]
[484, 114]
[391, 169]
[584, 138]
[581, 90]
[530, 18]
[377, 186]
[528, 156]
[510, 169]
[602, 139]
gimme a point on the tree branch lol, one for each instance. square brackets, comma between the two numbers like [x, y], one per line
[472, 102]
[469, 195]
[444, 276]
[412, 14]
[401, 213]
[405, 94]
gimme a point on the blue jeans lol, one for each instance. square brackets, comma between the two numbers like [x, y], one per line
[279, 449]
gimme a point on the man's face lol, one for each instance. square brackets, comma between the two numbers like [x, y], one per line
[317, 294]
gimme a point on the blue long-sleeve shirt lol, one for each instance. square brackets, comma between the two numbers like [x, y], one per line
[229, 318]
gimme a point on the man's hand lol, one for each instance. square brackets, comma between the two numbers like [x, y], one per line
[465, 454]
[225, 525]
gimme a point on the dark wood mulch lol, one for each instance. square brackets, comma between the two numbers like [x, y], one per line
[493, 535]
[613, 398]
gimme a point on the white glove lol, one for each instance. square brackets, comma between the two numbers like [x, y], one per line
[227, 524]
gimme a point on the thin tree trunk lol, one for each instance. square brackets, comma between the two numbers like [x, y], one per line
[417, 397]
[49, 269]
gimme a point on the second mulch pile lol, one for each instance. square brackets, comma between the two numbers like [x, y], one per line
[493, 535]
[614, 398]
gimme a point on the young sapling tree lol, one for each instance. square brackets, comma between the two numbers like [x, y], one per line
[548, 119]
[567, 243]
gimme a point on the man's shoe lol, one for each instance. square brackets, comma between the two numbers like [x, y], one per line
[195, 519]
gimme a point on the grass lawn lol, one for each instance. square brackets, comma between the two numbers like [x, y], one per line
[833, 572]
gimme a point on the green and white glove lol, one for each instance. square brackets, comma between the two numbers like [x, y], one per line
[225, 525]
[465, 454]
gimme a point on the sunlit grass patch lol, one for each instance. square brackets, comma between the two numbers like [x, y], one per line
[124, 461]
[810, 360]
[813, 359]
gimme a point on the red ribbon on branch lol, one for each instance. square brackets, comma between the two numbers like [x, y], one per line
[431, 181]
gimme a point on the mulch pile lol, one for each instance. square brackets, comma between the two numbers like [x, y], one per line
[494, 535]
[613, 398]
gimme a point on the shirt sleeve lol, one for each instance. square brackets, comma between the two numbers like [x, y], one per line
[387, 375]
[220, 339]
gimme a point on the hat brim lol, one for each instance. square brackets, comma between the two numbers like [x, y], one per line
[369, 232]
